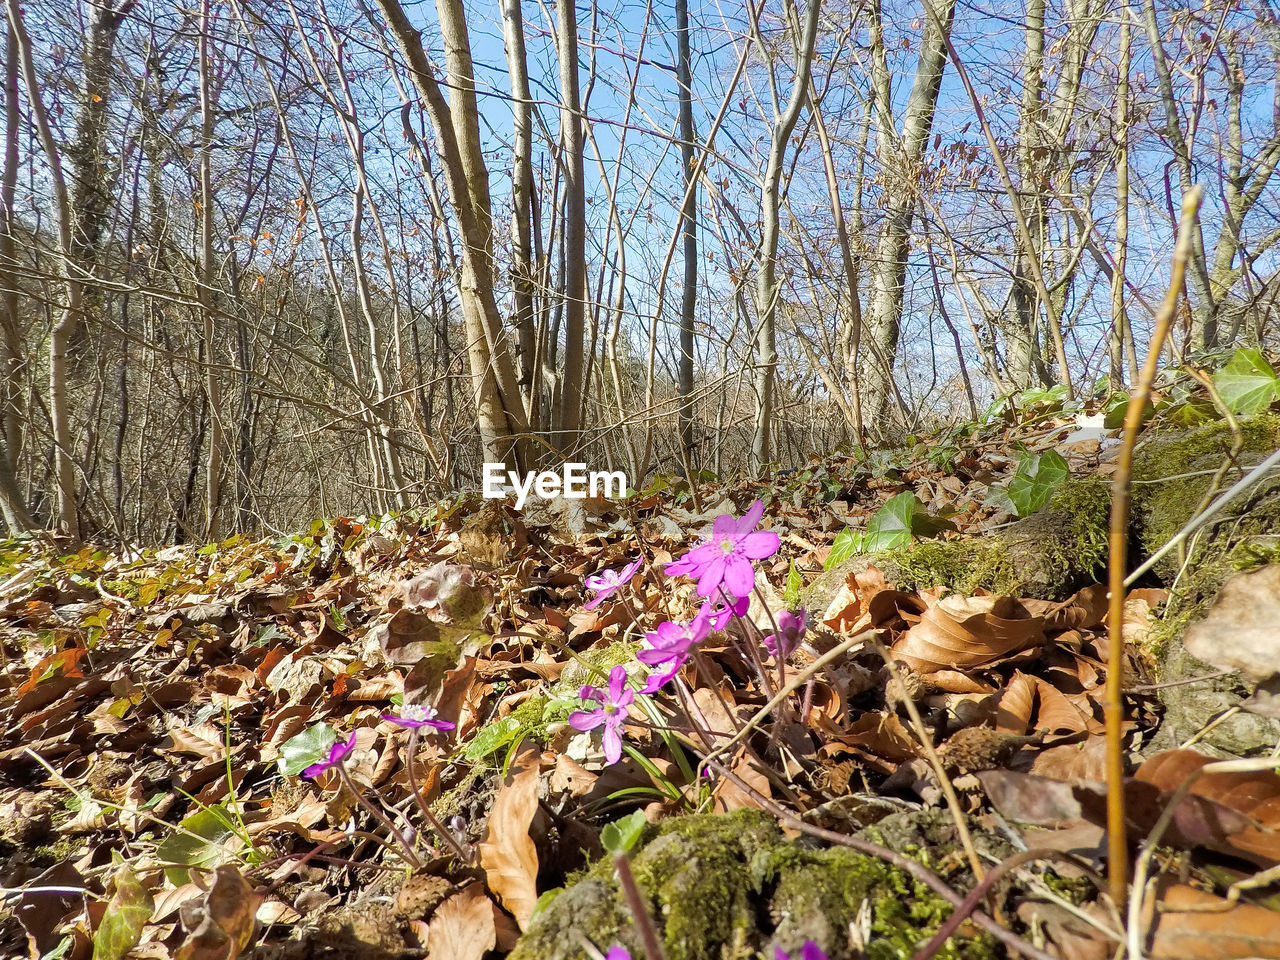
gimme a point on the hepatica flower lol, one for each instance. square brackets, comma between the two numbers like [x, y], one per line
[660, 678]
[610, 714]
[337, 753]
[791, 628]
[415, 716]
[725, 560]
[617, 953]
[606, 582]
[671, 641]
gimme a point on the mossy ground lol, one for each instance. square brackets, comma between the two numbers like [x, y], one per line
[732, 887]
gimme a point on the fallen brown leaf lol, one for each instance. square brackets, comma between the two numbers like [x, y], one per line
[508, 854]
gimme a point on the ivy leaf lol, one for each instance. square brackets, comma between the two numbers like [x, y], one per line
[848, 542]
[1247, 384]
[122, 922]
[1037, 476]
[898, 521]
[310, 746]
[621, 835]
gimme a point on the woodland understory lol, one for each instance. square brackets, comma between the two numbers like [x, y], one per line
[382, 737]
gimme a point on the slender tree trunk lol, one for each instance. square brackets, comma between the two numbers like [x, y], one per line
[12, 360]
[1123, 353]
[64, 327]
[566, 436]
[689, 227]
[204, 285]
[767, 287]
[906, 154]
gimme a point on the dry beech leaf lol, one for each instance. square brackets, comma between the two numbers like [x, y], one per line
[729, 796]
[852, 601]
[1074, 761]
[1256, 794]
[219, 924]
[958, 632]
[462, 928]
[1182, 928]
[508, 854]
[1242, 629]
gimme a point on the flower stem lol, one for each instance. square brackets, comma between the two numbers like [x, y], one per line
[406, 847]
[445, 834]
[644, 922]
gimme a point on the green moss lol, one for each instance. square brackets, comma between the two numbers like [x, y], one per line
[732, 887]
[1088, 503]
[960, 565]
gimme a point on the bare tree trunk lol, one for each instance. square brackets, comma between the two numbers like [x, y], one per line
[522, 271]
[499, 408]
[1123, 352]
[906, 154]
[689, 227]
[767, 287]
[12, 361]
[64, 327]
[204, 284]
[567, 418]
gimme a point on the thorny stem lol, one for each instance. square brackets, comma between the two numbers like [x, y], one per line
[644, 922]
[903, 863]
[1113, 706]
[445, 834]
[406, 847]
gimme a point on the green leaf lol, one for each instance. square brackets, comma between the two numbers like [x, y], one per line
[1037, 476]
[122, 922]
[544, 901]
[201, 844]
[791, 592]
[622, 835]
[493, 736]
[898, 521]
[310, 746]
[1247, 384]
[848, 542]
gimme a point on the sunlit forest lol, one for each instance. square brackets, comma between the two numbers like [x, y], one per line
[267, 261]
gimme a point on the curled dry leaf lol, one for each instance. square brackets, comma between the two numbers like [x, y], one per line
[219, 924]
[462, 928]
[958, 632]
[508, 854]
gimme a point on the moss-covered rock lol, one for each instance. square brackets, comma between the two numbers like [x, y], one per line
[1047, 555]
[732, 887]
[1174, 476]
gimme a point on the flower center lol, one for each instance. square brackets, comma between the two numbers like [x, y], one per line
[727, 546]
[610, 708]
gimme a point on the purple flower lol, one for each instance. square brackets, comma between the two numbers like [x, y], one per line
[337, 753]
[725, 560]
[617, 953]
[671, 641]
[791, 628]
[809, 951]
[611, 712]
[660, 678]
[415, 717]
[720, 611]
[606, 582]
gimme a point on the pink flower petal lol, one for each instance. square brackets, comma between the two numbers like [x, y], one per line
[582, 720]
[617, 682]
[759, 545]
[711, 577]
[612, 743]
[739, 576]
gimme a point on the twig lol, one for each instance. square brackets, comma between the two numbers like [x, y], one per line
[976, 895]
[644, 922]
[1113, 707]
[926, 743]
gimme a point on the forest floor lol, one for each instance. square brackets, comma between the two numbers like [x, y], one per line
[160, 710]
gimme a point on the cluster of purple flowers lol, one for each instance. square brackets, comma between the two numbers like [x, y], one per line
[725, 574]
[412, 717]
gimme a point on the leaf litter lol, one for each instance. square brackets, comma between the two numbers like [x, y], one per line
[162, 711]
